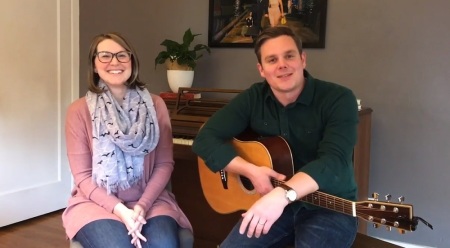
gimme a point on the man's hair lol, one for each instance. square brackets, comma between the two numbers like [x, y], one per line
[274, 32]
[93, 77]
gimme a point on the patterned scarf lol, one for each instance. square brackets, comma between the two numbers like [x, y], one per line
[122, 136]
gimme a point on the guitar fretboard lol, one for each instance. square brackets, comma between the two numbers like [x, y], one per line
[327, 201]
[330, 202]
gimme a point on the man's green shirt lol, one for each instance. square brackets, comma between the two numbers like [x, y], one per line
[320, 128]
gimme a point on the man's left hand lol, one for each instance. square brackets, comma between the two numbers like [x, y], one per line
[263, 213]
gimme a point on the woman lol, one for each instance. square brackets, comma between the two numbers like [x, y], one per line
[275, 6]
[119, 145]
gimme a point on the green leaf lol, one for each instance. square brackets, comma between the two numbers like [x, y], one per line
[182, 53]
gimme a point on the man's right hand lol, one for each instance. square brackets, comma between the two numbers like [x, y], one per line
[261, 178]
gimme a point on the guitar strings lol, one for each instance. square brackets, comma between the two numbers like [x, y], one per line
[323, 200]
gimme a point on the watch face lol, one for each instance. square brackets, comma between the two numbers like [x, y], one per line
[291, 195]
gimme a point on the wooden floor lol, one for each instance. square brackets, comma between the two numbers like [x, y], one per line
[41, 232]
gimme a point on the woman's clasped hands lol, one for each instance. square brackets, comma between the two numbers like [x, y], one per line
[134, 221]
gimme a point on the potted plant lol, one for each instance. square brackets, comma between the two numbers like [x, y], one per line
[180, 60]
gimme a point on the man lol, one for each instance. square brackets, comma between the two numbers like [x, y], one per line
[318, 119]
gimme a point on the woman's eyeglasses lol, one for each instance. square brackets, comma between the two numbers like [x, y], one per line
[107, 57]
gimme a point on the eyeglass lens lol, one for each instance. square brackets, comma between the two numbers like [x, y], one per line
[106, 57]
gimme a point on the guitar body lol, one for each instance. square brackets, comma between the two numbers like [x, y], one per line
[238, 192]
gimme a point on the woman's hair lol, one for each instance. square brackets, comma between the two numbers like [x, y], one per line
[93, 77]
[274, 32]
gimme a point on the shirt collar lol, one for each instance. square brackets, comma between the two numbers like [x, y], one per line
[306, 96]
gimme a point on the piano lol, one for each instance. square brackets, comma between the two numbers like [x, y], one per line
[187, 117]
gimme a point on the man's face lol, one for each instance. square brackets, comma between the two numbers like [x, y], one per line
[282, 65]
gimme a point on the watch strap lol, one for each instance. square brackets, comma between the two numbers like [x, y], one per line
[285, 187]
[289, 191]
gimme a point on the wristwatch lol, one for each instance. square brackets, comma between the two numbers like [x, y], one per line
[291, 195]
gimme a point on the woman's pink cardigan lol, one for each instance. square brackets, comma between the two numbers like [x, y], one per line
[88, 202]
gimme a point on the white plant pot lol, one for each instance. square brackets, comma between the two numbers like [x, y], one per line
[178, 78]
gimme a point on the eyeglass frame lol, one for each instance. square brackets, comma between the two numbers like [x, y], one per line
[114, 55]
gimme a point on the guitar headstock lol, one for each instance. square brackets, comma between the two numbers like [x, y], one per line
[387, 213]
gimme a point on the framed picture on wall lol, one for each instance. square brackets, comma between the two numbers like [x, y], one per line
[236, 23]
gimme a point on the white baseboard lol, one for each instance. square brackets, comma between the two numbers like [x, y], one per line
[406, 245]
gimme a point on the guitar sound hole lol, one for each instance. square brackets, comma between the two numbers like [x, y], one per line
[247, 183]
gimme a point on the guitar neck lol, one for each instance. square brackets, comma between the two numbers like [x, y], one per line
[331, 202]
[327, 201]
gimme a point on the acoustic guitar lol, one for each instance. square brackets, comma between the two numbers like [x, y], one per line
[227, 192]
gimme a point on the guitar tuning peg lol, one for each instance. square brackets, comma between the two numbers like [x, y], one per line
[401, 199]
[401, 231]
[376, 225]
[375, 196]
[388, 228]
[388, 197]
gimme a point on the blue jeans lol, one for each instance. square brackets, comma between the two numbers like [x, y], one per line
[315, 228]
[160, 231]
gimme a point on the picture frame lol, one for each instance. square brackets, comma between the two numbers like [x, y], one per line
[236, 23]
